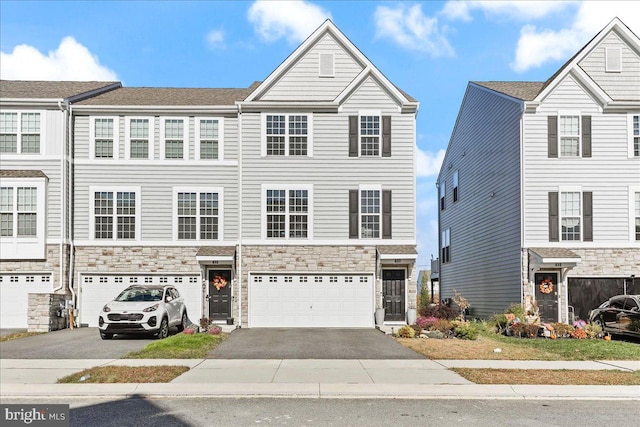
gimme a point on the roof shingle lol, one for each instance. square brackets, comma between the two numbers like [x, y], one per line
[22, 89]
[526, 91]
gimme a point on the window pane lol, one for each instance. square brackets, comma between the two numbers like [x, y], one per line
[569, 125]
[370, 146]
[104, 227]
[30, 122]
[187, 204]
[8, 122]
[103, 203]
[173, 129]
[208, 149]
[275, 125]
[139, 128]
[298, 226]
[187, 228]
[370, 201]
[370, 226]
[104, 148]
[104, 128]
[27, 199]
[298, 145]
[570, 204]
[6, 224]
[126, 203]
[27, 224]
[6, 199]
[569, 147]
[208, 204]
[139, 149]
[370, 125]
[30, 143]
[208, 129]
[8, 143]
[126, 227]
[298, 201]
[275, 146]
[275, 226]
[570, 228]
[173, 149]
[276, 201]
[208, 228]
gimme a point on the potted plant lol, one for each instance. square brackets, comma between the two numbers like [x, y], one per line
[190, 330]
[215, 330]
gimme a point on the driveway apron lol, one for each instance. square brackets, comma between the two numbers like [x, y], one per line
[310, 343]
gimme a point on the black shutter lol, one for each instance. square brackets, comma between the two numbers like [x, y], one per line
[552, 136]
[554, 234]
[353, 214]
[353, 136]
[587, 215]
[586, 136]
[386, 136]
[386, 214]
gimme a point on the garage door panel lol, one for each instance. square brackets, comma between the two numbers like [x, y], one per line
[327, 300]
[14, 297]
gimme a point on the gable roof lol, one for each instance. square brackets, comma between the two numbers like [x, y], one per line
[329, 27]
[171, 96]
[530, 91]
[37, 89]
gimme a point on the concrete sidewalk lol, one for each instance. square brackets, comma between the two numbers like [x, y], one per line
[314, 378]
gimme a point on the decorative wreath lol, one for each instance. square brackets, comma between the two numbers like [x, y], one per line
[546, 287]
[219, 282]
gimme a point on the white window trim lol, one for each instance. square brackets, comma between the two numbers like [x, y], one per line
[263, 133]
[608, 68]
[445, 238]
[116, 137]
[442, 194]
[362, 188]
[456, 186]
[333, 63]
[41, 212]
[220, 138]
[114, 190]
[630, 134]
[570, 189]
[185, 138]
[362, 113]
[570, 113]
[263, 211]
[632, 214]
[127, 136]
[174, 218]
[19, 134]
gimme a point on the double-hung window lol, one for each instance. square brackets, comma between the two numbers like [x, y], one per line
[370, 135]
[636, 215]
[116, 213]
[455, 186]
[139, 138]
[634, 135]
[174, 142]
[22, 217]
[198, 213]
[370, 214]
[287, 212]
[570, 215]
[20, 132]
[569, 135]
[103, 134]
[445, 246]
[209, 138]
[287, 135]
[443, 194]
[569, 128]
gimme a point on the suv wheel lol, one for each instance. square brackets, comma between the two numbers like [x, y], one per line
[105, 336]
[183, 323]
[163, 332]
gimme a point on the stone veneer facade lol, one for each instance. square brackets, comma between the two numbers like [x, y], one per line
[596, 262]
[134, 259]
[46, 312]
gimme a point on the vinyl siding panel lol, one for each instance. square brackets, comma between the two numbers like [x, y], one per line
[624, 85]
[370, 96]
[332, 173]
[485, 230]
[568, 95]
[302, 81]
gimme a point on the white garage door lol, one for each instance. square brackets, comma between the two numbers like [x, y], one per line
[326, 300]
[14, 297]
[97, 290]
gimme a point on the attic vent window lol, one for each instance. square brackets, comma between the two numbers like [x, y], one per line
[613, 60]
[326, 65]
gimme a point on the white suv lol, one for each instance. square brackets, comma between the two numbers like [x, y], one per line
[143, 309]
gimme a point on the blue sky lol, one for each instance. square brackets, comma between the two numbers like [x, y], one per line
[429, 49]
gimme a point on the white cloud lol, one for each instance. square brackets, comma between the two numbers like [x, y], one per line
[294, 20]
[411, 29]
[429, 163]
[70, 61]
[537, 46]
[518, 9]
[215, 39]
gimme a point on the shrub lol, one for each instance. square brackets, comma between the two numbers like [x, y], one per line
[517, 329]
[562, 329]
[425, 298]
[417, 329]
[579, 334]
[443, 325]
[499, 322]
[517, 310]
[593, 330]
[441, 311]
[425, 322]
[531, 330]
[466, 331]
[406, 332]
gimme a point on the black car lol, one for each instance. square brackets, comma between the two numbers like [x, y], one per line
[619, 315]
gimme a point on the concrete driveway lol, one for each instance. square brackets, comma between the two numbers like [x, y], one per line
[310, 343]
[79, 343]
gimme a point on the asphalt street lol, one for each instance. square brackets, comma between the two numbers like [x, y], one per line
[194, 412]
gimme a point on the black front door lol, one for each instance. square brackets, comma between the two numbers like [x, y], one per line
[547, 296]
[219, 294]
[393, 294]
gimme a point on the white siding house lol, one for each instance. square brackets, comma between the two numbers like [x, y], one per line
[548, 179]
[297, 192]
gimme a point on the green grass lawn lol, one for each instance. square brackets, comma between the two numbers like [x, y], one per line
[180, 346]
[125, 374]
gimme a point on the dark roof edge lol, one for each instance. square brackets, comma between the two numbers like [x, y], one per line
[94, 92]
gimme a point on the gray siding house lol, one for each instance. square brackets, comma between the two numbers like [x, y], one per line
[539, 191]
[287, 203]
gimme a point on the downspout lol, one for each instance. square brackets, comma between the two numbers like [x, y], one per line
[63, 177]
[72, 249]
[524, 265]
[240, 216]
